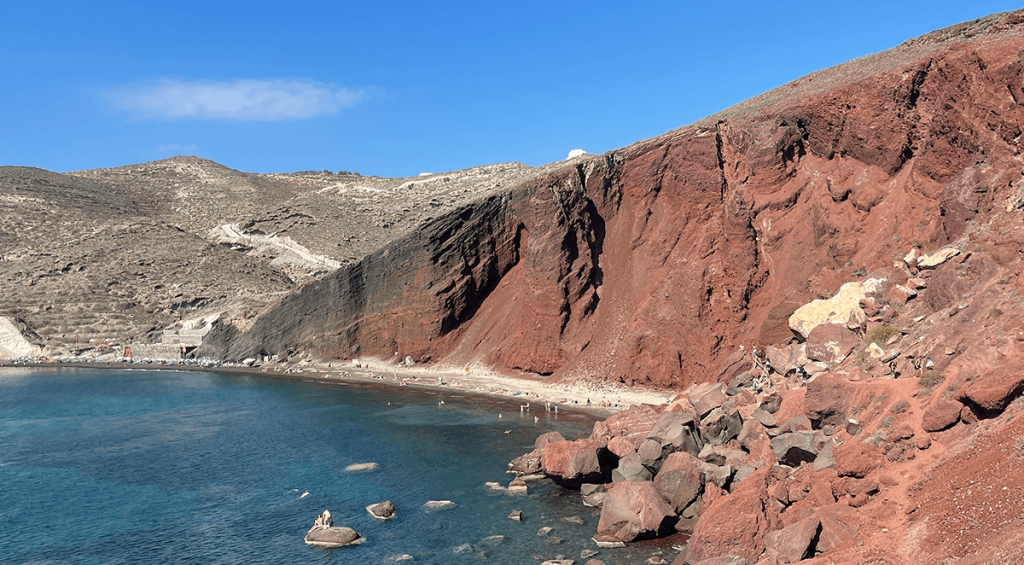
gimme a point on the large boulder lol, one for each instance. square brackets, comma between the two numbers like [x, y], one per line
[681, 480]
[827, 400]
[573, 460]
[737, 523]
[843, 308]
[624, 445]
[634, 510]
[936, 258]
[335, 536]
[941, 415]
[794, 543]
[634, 421]
[544, 439]
[682, 438]
[830, 343]
[527, 464]
[795, 448]
[751, 432]
[719, 426]
[707, 397]
[994, 389]
[669, 423]
[839, 524]
[631, 468]
[382, 510]
[786, 359]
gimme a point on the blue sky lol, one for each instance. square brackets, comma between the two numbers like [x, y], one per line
[395, 88]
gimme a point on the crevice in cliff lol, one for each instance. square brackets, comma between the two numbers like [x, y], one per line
[915, 85]
[724, 187]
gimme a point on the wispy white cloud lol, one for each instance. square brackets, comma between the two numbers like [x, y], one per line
[242, 100]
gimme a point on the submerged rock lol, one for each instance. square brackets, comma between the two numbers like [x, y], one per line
[362, 467]
[438, 505]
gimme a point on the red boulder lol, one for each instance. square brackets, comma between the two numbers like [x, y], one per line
[635, 509]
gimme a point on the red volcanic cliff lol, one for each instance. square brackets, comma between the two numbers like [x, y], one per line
[651, 264]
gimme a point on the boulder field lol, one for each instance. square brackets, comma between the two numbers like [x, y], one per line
[838, 469]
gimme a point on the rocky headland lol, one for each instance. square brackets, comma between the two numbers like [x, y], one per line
[859, 228]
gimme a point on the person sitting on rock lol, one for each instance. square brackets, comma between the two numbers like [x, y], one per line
[802, 373]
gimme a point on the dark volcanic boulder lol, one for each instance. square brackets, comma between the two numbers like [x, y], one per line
[681, 480]
[382, 510]
[718, 427]
[795, 448]
[633, 510]
[631, 468]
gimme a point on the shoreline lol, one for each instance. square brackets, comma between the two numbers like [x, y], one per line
[526, 389]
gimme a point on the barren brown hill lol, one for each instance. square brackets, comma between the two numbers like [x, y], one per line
[115, 256]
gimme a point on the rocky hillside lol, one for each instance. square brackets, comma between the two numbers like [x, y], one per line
[115, 256]
[651, 264]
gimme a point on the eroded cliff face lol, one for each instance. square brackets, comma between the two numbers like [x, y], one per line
[651, 264]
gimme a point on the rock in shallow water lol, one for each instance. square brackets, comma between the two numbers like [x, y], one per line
[382, 510]
[438, 505]
[335, 536]
[362, 467]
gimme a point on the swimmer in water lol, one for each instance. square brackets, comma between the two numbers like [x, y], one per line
[304, 495]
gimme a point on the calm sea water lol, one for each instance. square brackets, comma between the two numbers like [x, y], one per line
[102, 466]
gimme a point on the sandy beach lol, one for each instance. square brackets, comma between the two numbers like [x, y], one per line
[598, 399]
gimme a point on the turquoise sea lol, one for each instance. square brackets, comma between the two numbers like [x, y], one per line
[156, 466]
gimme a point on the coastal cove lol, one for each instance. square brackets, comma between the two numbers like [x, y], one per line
[129, 466]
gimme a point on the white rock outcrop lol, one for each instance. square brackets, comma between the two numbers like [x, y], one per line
[13, 342]
[843, 308]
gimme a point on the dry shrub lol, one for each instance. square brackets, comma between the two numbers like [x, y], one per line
[929, 380]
